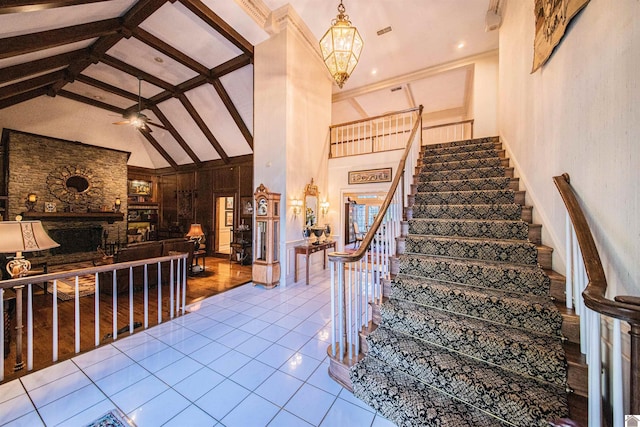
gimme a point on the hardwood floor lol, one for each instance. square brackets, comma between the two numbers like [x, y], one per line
[220, 275]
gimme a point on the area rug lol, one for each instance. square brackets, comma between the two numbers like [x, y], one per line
[67, 287]
[111, 419]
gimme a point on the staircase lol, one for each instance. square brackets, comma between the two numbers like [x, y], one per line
[468, 333]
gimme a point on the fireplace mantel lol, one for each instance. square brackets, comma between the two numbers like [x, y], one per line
[109, 217]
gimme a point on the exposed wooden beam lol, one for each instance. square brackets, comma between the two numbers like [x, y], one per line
[91, 101]
[16, 6]
[134, 16]
[219, 71]
[224, 96]
[176, 135]
[19, 71]
[170, 51]
[203, 127]
[158, 147]
[22, 97]
[136, 72]
[214, 21]
[30, 84]
[32, 42]
[108, 88]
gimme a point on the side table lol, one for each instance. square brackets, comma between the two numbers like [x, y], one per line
[307, 250]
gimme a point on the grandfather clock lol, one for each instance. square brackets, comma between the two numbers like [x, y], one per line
[266, 260]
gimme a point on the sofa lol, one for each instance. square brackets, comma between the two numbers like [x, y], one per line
[145, 250]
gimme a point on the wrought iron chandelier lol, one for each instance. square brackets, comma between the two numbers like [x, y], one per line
[341, 46]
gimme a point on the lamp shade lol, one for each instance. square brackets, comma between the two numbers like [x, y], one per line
[195, 231]
[24, 236]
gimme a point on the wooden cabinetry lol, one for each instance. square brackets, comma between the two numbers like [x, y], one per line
[142, 222]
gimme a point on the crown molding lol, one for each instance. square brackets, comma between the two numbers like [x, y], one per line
[416, 75]
[257, 10]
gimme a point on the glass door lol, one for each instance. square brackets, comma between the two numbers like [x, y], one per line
[223, 219]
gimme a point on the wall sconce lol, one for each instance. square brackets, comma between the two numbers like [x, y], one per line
[297, 207]
[117, 204]
[324, 208]
[30, 203]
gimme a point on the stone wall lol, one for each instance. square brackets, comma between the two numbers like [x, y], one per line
[38, 164]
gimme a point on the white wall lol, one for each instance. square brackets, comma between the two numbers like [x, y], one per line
[484, 105]
[579, 114]
[292, 118]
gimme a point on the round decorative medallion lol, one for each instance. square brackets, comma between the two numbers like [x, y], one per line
[76, 186]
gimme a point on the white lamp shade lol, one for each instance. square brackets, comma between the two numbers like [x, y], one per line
[24, 236]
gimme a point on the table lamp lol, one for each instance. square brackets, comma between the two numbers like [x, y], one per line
[23, 236]
[196, 234]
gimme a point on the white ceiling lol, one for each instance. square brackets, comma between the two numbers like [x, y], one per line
[425, 34]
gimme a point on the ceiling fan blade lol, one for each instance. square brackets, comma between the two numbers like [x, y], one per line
[123, 122]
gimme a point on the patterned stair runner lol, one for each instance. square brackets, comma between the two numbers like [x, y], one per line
[469, 335]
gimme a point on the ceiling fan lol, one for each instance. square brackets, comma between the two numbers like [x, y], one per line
[138, 119]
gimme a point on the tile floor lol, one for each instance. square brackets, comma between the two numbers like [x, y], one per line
[246, 357]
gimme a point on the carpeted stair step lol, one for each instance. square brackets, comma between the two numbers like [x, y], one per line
[491, 229]
[428, 157]
[522, 351]
[525, 279]
[521, 400]
[508, 211]
[446, 175]
[465, 164]
[507, 251]
[434, 150]
[532, 312]
[475, 184]
[477, 197]
[463, 143]
[406, 401]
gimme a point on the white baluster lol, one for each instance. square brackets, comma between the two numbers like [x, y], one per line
[146, 296]
[569, 262]
[159, 292]
[115, 306]
[2, 333]
[77, 315]
[96, 310]
[594, 361]
[54, 345]
[30, 327]
[333, 266]
[130, 300]
[617, 383]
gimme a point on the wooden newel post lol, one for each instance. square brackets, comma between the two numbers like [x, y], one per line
[634, 387]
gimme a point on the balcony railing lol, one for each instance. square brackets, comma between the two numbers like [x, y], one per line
[447, 132]
[373, 135]
[170, 293]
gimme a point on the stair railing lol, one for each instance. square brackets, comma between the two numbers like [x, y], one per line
[585, 276]
[174, 297]
[357, 278]
[371, 135]
[446, 132]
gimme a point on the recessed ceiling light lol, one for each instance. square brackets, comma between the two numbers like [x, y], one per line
[460, 45]
[158, 60]
[98, 97]
[374, 72]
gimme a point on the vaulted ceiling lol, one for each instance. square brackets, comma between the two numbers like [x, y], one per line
[72, 68]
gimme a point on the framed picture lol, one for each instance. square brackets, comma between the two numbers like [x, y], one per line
[370, 176]
[228, 203]
[228, 218]
[139, 188]
[246, 204]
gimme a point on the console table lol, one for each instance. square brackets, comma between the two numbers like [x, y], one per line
[307, 250]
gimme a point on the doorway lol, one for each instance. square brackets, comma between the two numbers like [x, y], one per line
[360, 208]
[223, 219]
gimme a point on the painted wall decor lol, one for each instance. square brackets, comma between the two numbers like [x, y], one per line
[551, 18]
[370, 176]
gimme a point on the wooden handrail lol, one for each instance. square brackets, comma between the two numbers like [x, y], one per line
[448, 124]
[368, 119]
[594, 294]
[622, 307]
[368, 238]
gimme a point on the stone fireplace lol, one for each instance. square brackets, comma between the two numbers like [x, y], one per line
[48, 167]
